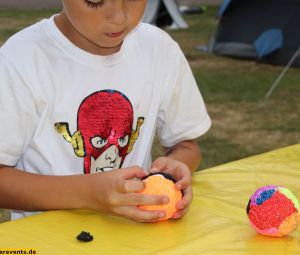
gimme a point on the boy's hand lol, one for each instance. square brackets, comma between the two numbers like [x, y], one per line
[182, 174]
[115, 192]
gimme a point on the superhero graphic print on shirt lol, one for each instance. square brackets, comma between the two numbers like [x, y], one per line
[105, 132]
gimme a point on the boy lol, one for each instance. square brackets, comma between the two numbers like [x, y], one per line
[84, 92]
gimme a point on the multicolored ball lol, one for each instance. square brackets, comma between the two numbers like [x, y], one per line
[163, 185]
[273, 211]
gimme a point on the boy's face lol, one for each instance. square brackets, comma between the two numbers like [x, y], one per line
[99, 26]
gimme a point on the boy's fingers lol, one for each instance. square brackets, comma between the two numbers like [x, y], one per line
[129, 186]
[134, 213]
[180, 213]
[188, 194]
[159, 165]
[182, 204]
[135, 199]
[131, 172]
[186, 199]
[154, 170]
[184, 183]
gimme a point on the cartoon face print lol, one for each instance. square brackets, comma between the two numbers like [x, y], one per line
[105, 135]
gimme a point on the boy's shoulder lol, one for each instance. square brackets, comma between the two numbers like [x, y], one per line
[153, 35]
[24, 41]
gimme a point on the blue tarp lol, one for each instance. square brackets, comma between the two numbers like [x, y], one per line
[223, 7]
[268, 42]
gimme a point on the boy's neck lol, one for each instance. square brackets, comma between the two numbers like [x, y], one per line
[64, 25]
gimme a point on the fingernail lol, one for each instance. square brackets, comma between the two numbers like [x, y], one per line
[180, 207]
[153, 170]
[178, 186]
[165, 200]
[176, 216]
[161, 215]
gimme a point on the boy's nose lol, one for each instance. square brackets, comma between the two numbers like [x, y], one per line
[117, 15]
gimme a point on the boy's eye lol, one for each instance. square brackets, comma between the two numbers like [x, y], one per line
[94, 3]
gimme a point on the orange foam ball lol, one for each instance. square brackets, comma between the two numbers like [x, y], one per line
[158, 184]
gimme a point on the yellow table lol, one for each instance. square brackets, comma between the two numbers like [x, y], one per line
[216, 223]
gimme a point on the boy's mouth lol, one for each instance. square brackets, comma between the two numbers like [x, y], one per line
[115, 35]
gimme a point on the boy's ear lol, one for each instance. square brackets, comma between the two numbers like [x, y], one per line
[76, 139]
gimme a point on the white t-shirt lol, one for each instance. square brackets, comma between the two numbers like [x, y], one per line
[65, 111]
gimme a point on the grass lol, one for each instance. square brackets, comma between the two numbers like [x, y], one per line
[13, 21]
[244, 123]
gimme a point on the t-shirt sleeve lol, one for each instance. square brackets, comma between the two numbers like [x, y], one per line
[18, 114]
[182, 114]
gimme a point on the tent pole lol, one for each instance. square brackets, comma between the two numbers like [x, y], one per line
[174, 12]
[281, 75]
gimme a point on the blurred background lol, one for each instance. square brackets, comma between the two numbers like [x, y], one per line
[45, 4]
[245, 121]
